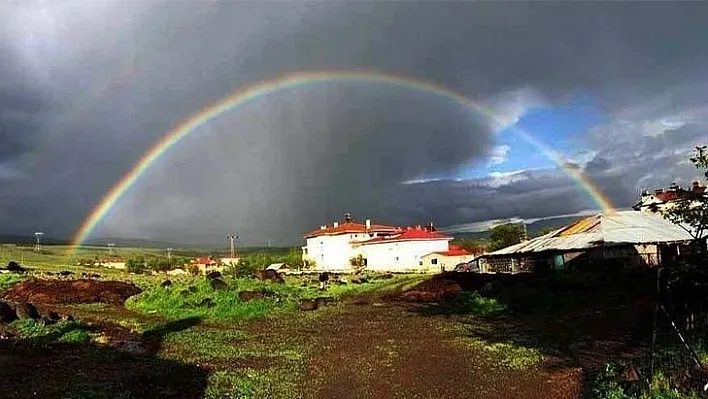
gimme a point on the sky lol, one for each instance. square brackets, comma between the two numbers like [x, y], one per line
[88, 87]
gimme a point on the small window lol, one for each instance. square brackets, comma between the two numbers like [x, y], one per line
[420, 263]
[395, 259]
[434, 261]
[371, 234]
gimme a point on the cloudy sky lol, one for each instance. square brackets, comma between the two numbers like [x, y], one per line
[87, 87]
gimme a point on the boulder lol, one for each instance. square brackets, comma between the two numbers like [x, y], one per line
[166, 283]
[219, 284]
[26, 310]
[207, 302]
[7, 314]
[184, 293]
[322, 301]
[192, 288]
[251, 295]
[65, 273]
[308, 304]
[13, 266]
[213, 275]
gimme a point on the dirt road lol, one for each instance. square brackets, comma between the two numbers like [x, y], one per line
[387, 351]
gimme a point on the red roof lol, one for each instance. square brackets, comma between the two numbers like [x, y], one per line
[204, 260]
[454, 250]
[349, 228]
[410, 234]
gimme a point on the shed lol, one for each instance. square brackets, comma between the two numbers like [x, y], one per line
[635, 238]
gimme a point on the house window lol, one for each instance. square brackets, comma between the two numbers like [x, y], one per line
[434, 261]
[395, 259]
[371, 234]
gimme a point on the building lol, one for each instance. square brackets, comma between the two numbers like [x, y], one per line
[404, 251]
[331, 247]
[230, 261]
[445, 260]
[662, 199]
[383, 248]
[207, 264]
[630, 238]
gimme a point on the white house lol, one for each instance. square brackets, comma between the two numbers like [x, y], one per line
[663, 199]
[331, 247]
[403, 252]
[445, 260]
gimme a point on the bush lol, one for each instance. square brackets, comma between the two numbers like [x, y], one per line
[136, 265]
[244, 268]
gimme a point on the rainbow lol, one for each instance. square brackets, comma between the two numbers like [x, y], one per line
[294, 80]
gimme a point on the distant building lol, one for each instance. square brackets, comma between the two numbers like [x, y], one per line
[206, 264]
[446, 260]
[403, 252]
[383, 248]
[331, 247]
[230, 261]
[662, 199]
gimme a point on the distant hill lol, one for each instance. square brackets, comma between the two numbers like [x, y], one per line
[533, 229]
[29, 240]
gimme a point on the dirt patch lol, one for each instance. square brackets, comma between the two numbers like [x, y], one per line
[436, 289]
[71, 291]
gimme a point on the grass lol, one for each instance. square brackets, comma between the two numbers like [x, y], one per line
[508, 355]
[63, 331]
[607, 387]
[178, 301]
[244, 366]
[8, 279]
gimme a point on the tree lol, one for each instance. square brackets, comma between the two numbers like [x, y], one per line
[358, 263]
[505, 235]
[691, 211]
[546, 230]
[471, 245]
[135, 265]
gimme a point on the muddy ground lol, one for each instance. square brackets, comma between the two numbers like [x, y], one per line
[393, 345]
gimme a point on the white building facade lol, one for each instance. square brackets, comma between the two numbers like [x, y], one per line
[384, 248]
[331, 247]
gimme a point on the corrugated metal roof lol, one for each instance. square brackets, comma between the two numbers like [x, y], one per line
[616, 228]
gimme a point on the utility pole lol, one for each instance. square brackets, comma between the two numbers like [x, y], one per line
[38, 235]
[232, 247]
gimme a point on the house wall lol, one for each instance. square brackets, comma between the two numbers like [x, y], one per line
[434, 263]
[400, 256]
[332, 253]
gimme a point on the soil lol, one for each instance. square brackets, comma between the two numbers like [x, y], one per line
[71, 291]
[368, 347]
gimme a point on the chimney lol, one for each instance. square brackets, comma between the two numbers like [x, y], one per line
[659, 191]
[347, 217]
[323, 227]
[336, 224]
[368, 224]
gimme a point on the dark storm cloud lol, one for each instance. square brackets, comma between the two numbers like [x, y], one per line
[94, 84]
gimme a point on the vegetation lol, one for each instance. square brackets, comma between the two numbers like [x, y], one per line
[507, 354]
[692, 212]
[506, 235]
[64, 331]
[471, 245]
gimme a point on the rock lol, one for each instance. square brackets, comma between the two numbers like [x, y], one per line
[65, 273]
[251, 295]
[7, 314]
[192, 288]
[213, 275]
[219, 284]
[207, 302]
[308, 304]
[26, 311]
[13, 266]
[487, 288]
[269, 275]
[184, 293]
[166, 283]
[51, 315]
[46, 320]
[322, 301]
